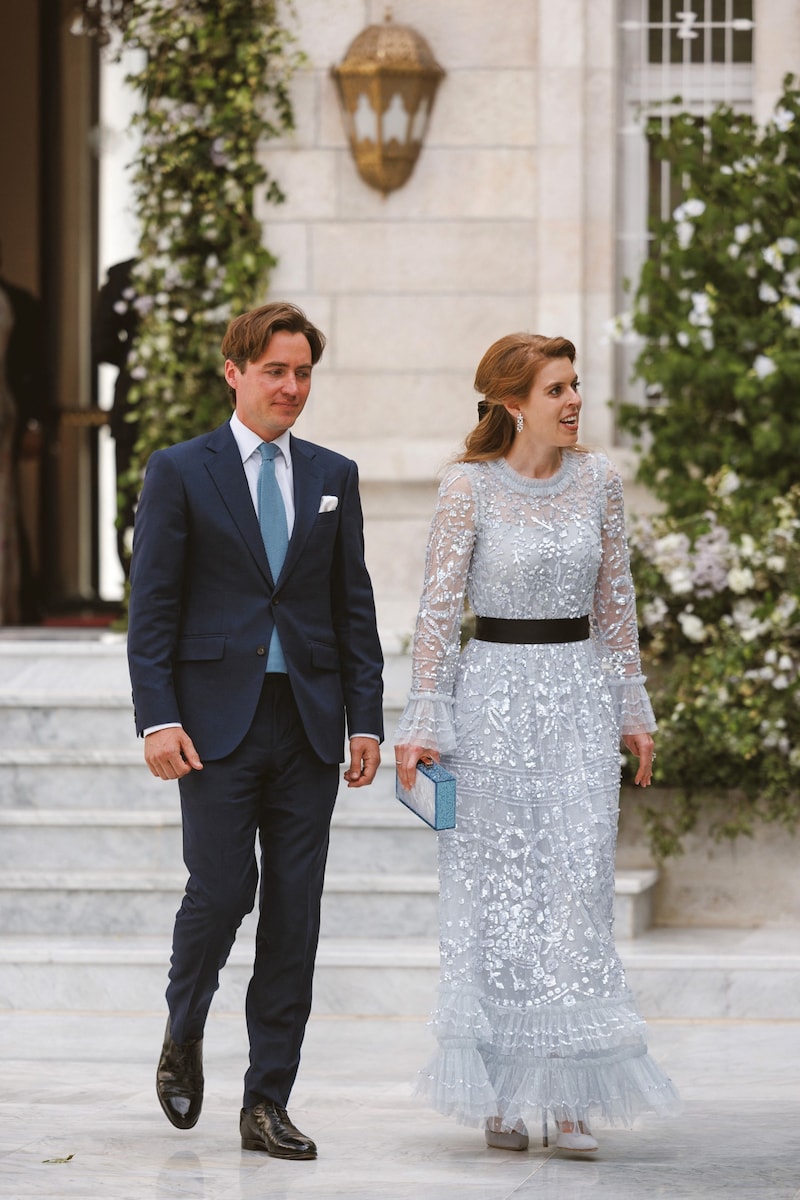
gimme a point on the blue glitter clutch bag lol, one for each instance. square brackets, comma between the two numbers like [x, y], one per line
[433, 796]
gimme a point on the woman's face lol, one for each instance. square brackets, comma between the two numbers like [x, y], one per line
[551, 411]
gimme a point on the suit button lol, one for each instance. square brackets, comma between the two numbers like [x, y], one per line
[262, 650]
[276, 599]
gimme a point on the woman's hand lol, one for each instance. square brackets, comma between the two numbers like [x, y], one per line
[406, 759]
[641, 746]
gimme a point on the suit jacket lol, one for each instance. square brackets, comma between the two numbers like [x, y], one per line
[203, 601]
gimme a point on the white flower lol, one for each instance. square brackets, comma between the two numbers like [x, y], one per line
[707, 339]
[682, 338]
[776, 562]
[771, 656]
[787, 245]
[742, 233]
[740, 579]
[785, 663]
[654, 612]
[726, 170]
[728, 484]
[692, 627]
[747, 546]
[773, 256]
[680, 581]
[734, 250]
[763, 366]
[689, 208]
[783, 118]
[792, 314]
[685, 233]
[768, 294]
[780, 682]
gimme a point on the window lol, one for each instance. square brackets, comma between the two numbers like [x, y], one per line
[673, 54]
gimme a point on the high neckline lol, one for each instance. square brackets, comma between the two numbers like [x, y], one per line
[526, 483]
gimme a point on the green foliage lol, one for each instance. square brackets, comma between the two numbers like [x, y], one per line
[719, 614]
[718, 307]
[214, 85]
[718, 574]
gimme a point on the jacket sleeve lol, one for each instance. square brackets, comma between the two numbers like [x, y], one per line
[354, 619]
[157, 565]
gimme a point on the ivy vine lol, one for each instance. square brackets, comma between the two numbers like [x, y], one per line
[214, 87]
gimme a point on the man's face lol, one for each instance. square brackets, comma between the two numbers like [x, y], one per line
[272, 392]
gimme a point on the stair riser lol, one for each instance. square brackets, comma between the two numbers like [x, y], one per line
[102, 987]
[129, 785]
[159, 847]
[699, 994]
[95, 912]
[97, 726]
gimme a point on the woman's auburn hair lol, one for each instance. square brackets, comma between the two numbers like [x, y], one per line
[506, 372]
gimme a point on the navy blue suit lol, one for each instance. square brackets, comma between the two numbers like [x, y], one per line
[202, 608]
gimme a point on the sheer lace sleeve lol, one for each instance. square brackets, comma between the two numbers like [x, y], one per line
[614, 624]
[428, 716]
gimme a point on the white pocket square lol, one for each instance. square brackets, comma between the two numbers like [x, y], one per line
[328, 504]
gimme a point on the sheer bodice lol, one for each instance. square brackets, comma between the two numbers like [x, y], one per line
[530, 548]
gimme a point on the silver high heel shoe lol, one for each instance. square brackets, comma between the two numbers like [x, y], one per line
[501, 1138]
[578, 1139]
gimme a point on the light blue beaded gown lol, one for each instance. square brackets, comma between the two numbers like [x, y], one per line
[533, 1012]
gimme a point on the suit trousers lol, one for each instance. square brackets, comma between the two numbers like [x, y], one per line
[272, 787]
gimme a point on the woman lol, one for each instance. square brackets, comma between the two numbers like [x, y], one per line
[534, 1016]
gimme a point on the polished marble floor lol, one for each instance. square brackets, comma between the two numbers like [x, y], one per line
[79, 1119]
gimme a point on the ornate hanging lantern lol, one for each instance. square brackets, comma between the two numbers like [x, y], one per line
[387, 84]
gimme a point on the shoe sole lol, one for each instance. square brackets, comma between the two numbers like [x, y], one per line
[260, 1147]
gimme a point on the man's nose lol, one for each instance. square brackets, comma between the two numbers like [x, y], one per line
[290, 384]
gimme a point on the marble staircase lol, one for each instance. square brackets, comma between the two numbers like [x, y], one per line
[91, 871]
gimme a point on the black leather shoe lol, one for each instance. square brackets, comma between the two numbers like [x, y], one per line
[179, 1080]
[267, 1127]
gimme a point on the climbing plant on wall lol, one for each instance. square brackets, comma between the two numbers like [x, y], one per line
[213, 77]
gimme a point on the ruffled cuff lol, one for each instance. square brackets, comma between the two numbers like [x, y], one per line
[632, 703]
[427, 721]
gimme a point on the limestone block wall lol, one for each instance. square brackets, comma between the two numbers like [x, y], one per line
[506, 223]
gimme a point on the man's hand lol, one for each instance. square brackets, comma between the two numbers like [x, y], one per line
[641, 747]
[365, 758]
[170, 753]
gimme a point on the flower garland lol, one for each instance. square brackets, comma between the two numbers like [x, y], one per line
[215, 86]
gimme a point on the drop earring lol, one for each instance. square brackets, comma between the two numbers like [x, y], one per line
[520, 422]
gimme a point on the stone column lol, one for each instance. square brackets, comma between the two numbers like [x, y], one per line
[776, 51]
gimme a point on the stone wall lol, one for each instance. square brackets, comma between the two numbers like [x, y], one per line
[506, 223]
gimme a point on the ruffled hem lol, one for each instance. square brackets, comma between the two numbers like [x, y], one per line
[586, 1061]
[467, 1084]
[427, 721]
[634, 710]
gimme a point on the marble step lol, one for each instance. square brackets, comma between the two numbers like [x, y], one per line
[389, 905]
[383, 837]
[140, 901]
[688, 974]
[116, 778]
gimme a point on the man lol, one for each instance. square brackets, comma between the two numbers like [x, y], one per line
[116, 321]
[243, 671]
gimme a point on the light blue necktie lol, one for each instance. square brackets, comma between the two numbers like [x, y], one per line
[274, 531]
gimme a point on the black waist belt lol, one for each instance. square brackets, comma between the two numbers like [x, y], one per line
[519, 632]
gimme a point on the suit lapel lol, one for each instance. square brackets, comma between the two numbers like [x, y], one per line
[308, 485]
[224, 465]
